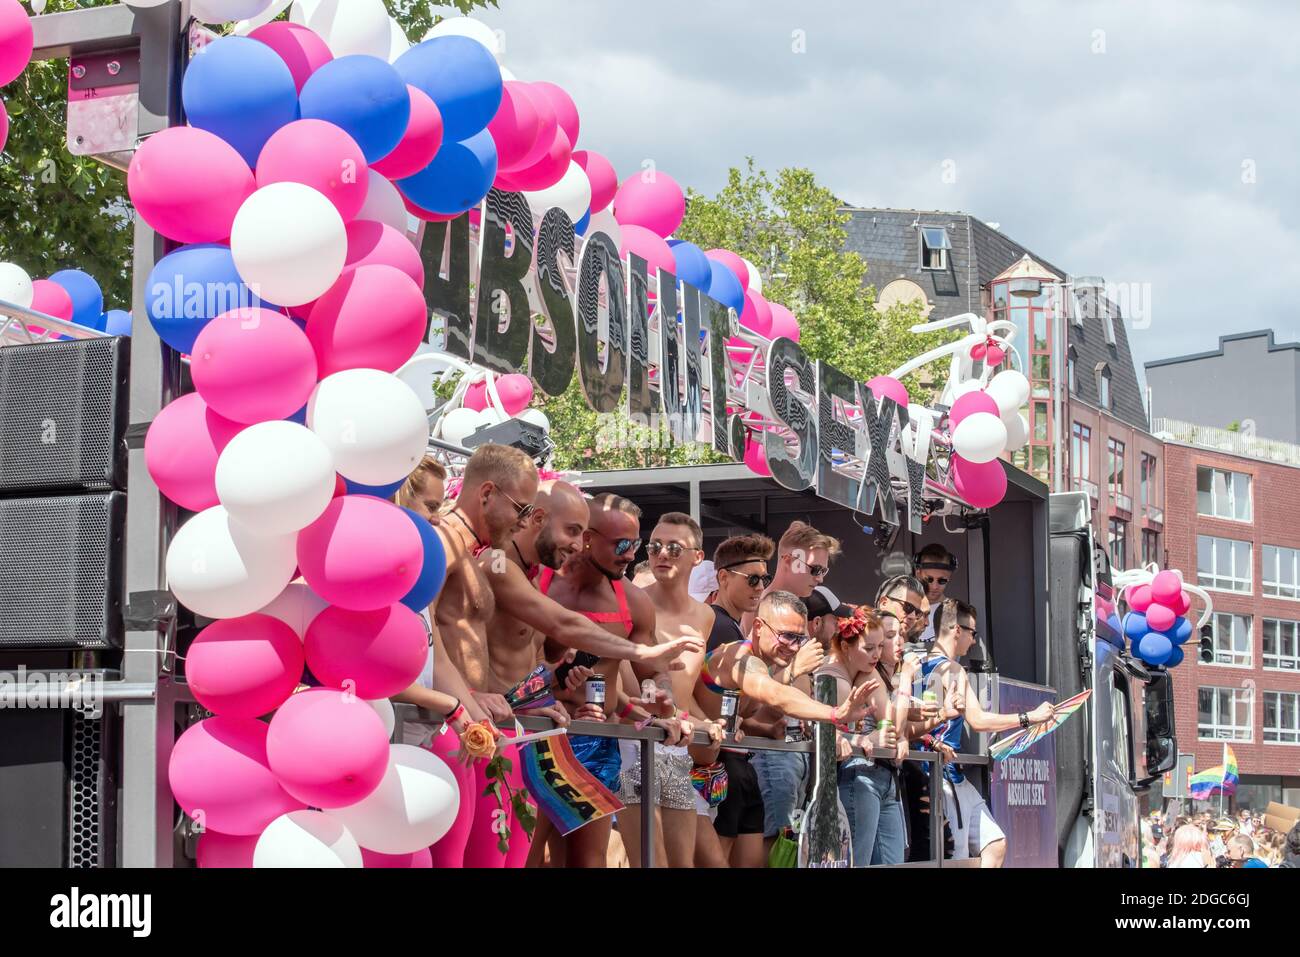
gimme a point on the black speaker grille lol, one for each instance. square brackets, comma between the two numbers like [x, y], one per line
[63, 416]
[61, 567]
[85, 797]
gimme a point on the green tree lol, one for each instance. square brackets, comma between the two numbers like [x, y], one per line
[793, 230]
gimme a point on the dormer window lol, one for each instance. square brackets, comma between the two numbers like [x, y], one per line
[934, 247]
[1103, 386]
[1073, 387]
[1108, 322]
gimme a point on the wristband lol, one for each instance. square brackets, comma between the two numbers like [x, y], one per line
[626, 710]
[1024, 720]
[455, 714]
[683, 716]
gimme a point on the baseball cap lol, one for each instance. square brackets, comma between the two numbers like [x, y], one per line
[704, 581]
[822, 601]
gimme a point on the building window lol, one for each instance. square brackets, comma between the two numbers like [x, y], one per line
[1223, 563]
[1151, 547]
[1281, 644]
[1232, 639]
[1040, 421]
[1280, 572]
[1115, 466]
[1223, 494]
[1080, 453]
[1070, 369]
[1148, 479]
[934, 247]
[1103, 387]
[1224, 714]
[1118, 547]
[1108, 323]
[1281, 717]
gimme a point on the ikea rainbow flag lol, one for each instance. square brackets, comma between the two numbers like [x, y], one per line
[570, 795]
[1220, 779]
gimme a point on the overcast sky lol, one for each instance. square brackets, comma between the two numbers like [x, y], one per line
[1146, 142]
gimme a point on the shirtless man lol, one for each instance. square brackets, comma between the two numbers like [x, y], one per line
[593, 582]
[675, 548]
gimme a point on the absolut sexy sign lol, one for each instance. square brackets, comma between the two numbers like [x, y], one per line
[830, 441]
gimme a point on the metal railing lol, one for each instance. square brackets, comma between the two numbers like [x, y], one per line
[649, 737]
[1237, 443]
[1090, 487]
[1155, 516]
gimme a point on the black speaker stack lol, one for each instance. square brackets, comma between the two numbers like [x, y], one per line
[64, 411]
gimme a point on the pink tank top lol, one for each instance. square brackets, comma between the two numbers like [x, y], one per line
[623, 614]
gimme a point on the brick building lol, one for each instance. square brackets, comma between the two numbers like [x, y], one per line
[1233, 525]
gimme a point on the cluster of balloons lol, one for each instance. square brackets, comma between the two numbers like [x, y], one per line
[985, 423]
[16, 44]
[70, 294]
[488, 399]
[1156, 623]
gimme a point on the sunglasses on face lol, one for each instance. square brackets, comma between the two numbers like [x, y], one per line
[934, 580]
[754, 579]
[674, 549]
[793, 639]
[521, 511]
[621, 545]
[908, 608]
[973, 633]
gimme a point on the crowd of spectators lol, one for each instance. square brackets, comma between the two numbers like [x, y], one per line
[1206, 840]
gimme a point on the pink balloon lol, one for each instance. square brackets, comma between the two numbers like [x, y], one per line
[654, 200]
[1165, 589]
[1184, 604]
[1139, 598]
[566, 112]
[16, 41]
[649, 246]
[516, 391]
[217, 850]
[381, 652]
[253, 365]
[302, 50]
[884, 385]
[320, 155]
[476, 396]
[1160, 617]
[420, 858]
[548, 124]
[733, 262]
[971, 402]
[347, 331]
[993, 356]
[516, 126]
[982, 484]
[327, 748]
[371, 243]
[547, 171]
[51, 299]
[363, 553]
[219, 774]
[604, 180]
[419, 143]
[757, 314]
[181, 450]
[784, 323]
[244, 667]
[161, 182]
[979, 350]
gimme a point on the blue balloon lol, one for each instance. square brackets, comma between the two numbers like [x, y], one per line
[1181, 631]
[87, 298]
[457, 179]
[460, 76]
[434, 569]
[580, 227]
[725, 287]
[692, 265]
[239, 89]
[1175, 658]
[1155, 648]
[300, 417]
[364, 97]
[117, 322]
[378, 491]
[1135, 625]
[190, 286]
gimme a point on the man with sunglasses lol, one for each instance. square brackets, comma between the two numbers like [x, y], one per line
[903, 597]
[934, 569]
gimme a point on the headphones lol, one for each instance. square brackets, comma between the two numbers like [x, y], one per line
[951, 565]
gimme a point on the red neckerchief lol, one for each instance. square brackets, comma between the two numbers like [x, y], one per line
[479, 545]
[532, 571]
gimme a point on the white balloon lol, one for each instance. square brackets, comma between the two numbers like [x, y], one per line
[247, 26]
[348, 26]
[275, 477]
[398, 44]
[414, 805]
[507, 74]
[458, 424]
[15, 285]
[219, 569]
[537, 417]
[297, 606]
[383, 203]
[384, 708]
[227, 11]
[571, 194]
[306, 839]
[604, 222]
[289, 243]
[980, 437]
[489, 417]
[372, 422]
[468, 27]
[144, 4]
[961, 388]
[755, 280]
[1017, 431]
[1010, 390]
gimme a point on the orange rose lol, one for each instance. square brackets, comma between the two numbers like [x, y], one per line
[479, 740]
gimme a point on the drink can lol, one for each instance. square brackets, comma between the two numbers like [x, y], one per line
[730, 703]
[930, 697]
[595, 686]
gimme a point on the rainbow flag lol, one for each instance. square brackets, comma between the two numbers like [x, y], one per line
[1220, 779]
[570, 795]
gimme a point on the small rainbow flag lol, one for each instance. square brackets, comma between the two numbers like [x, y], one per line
[1220, 779]
[570, 795]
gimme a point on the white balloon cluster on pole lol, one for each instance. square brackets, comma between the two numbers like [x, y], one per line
[372, 423]
[219, 568]
[275, 478]
[289, 243]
